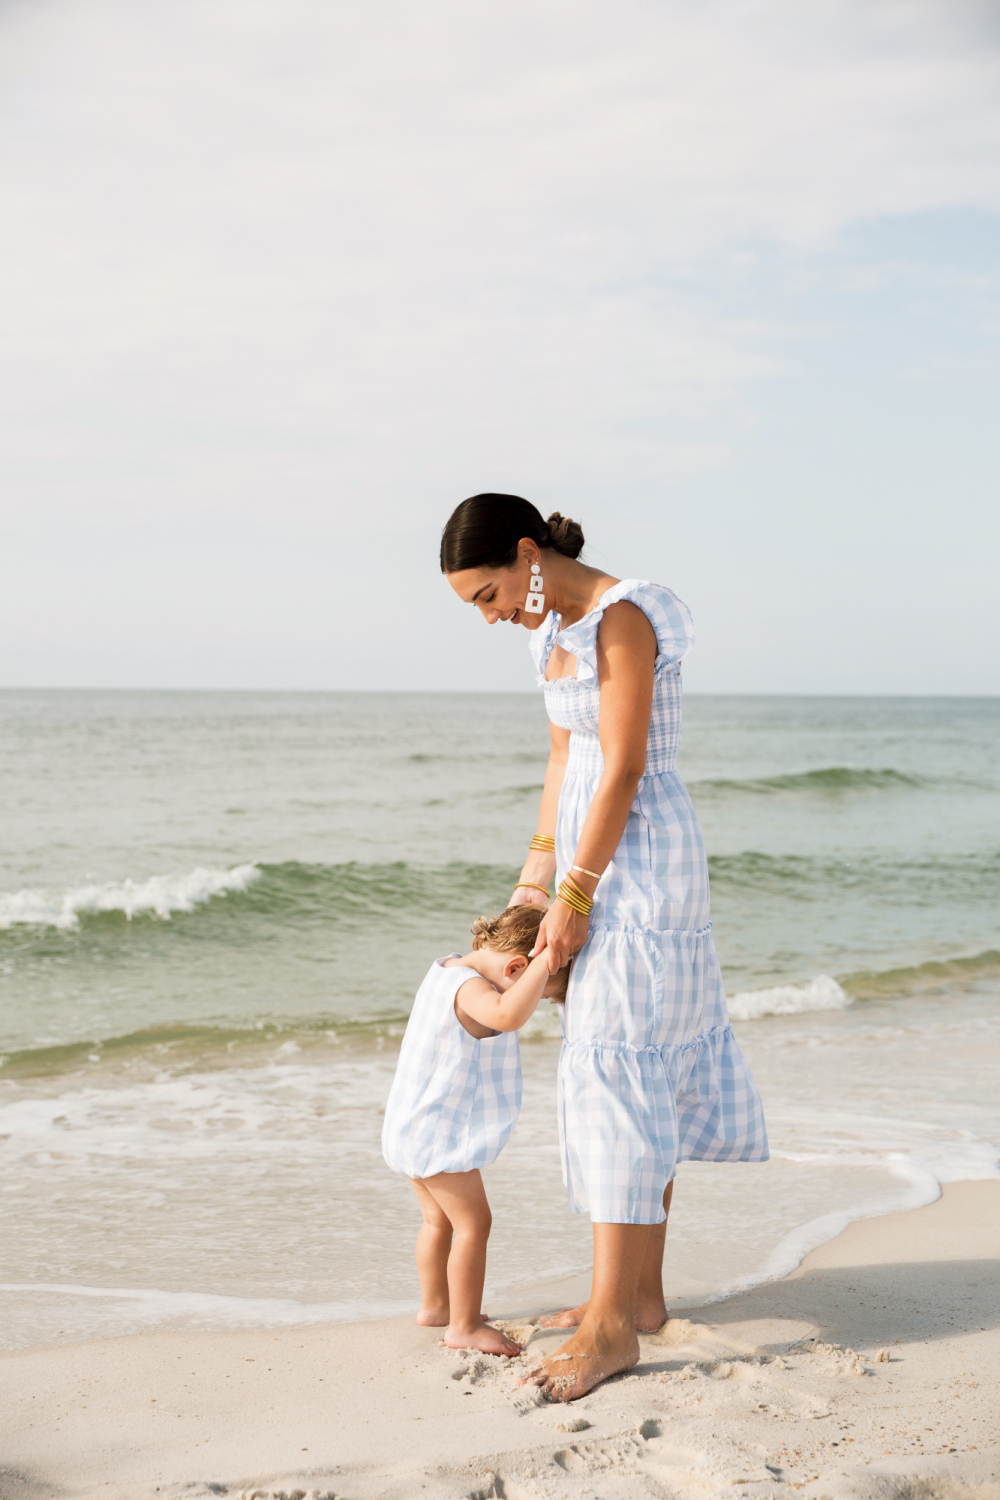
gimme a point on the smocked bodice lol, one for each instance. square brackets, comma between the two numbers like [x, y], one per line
[573, 703]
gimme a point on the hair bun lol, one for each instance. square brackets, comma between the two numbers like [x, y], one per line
[565, 535]
[482, 930]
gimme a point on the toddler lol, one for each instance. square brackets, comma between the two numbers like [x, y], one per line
[452, 1107]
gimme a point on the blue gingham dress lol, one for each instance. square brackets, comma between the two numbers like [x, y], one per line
[454, 1099]
[650, 1073]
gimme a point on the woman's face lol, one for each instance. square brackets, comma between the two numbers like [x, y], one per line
[499, 593]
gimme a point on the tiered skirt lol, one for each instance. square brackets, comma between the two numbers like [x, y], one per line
[650, 1073]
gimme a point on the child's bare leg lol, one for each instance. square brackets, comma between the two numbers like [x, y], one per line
[462, 1198]
[433, 1249]
[650, 1308]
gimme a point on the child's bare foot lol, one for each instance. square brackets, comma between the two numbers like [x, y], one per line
[650, 1316]
[439, 1317]
[484, 1338]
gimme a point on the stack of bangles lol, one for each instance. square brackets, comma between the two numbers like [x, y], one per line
[575, 896]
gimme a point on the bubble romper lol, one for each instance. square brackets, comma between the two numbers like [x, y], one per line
[650, 1073]
[454, 1097]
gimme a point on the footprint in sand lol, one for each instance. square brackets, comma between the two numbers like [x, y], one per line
[685, 1334]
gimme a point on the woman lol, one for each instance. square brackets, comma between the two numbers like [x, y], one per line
[650, 1073]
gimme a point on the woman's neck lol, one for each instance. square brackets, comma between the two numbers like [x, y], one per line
[572, 588]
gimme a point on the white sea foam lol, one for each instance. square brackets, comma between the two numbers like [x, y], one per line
[822, 993]
[148, 1305]
[159, 896]
[923, 1172]
[923, 1188]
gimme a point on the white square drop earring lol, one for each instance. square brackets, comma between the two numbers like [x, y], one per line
[535, 602]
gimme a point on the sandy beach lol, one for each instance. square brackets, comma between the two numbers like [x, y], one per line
[872, 1370]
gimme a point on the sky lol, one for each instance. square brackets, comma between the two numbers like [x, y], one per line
[284, 280]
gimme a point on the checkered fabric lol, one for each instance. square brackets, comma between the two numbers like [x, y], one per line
[650, 1072]
[454, 1099]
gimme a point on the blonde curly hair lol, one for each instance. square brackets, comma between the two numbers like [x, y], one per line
[516, 931]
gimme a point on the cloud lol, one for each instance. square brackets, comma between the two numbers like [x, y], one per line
[279, 260]
[204, 168]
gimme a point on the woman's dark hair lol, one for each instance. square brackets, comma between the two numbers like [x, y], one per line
[483, 532]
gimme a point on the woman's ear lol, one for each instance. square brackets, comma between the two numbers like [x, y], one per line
[515, 966]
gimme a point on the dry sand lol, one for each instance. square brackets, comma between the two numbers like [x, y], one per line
[872, 1371]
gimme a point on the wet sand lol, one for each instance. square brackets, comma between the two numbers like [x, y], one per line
[871, 1371]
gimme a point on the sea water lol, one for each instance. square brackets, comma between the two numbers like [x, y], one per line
[215, 909]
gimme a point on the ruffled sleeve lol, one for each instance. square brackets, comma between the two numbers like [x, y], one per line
[540, 644]
[668, 615]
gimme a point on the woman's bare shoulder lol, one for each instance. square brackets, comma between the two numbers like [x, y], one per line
[625, 623]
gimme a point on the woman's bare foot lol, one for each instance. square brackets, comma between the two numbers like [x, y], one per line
[584, 1361]
[566, 1317]
[484, 1338]
[650, 1316]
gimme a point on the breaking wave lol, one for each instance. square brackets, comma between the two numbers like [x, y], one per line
[159, 896]
[822, 993]
[827, 993]
[291, 893]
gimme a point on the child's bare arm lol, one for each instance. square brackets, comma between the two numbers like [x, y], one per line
[507, 1011]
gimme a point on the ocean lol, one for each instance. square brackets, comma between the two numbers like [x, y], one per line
[215, 909]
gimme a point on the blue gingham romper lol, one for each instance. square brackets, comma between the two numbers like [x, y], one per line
[454, 1099]
[650, 1073]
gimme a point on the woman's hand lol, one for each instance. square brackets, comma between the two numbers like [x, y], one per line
[563, 932]
[526, 895]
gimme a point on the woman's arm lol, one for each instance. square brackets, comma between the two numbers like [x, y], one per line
[508, 1011]
[626, 653]
[539, 868]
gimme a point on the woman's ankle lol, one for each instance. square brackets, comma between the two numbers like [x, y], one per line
[610, 1323]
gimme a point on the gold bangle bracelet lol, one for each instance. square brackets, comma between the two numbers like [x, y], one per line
[533, 886]
[571, 899]
[543, 843]
[575, 885]
[584, 871]
[571, 893]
